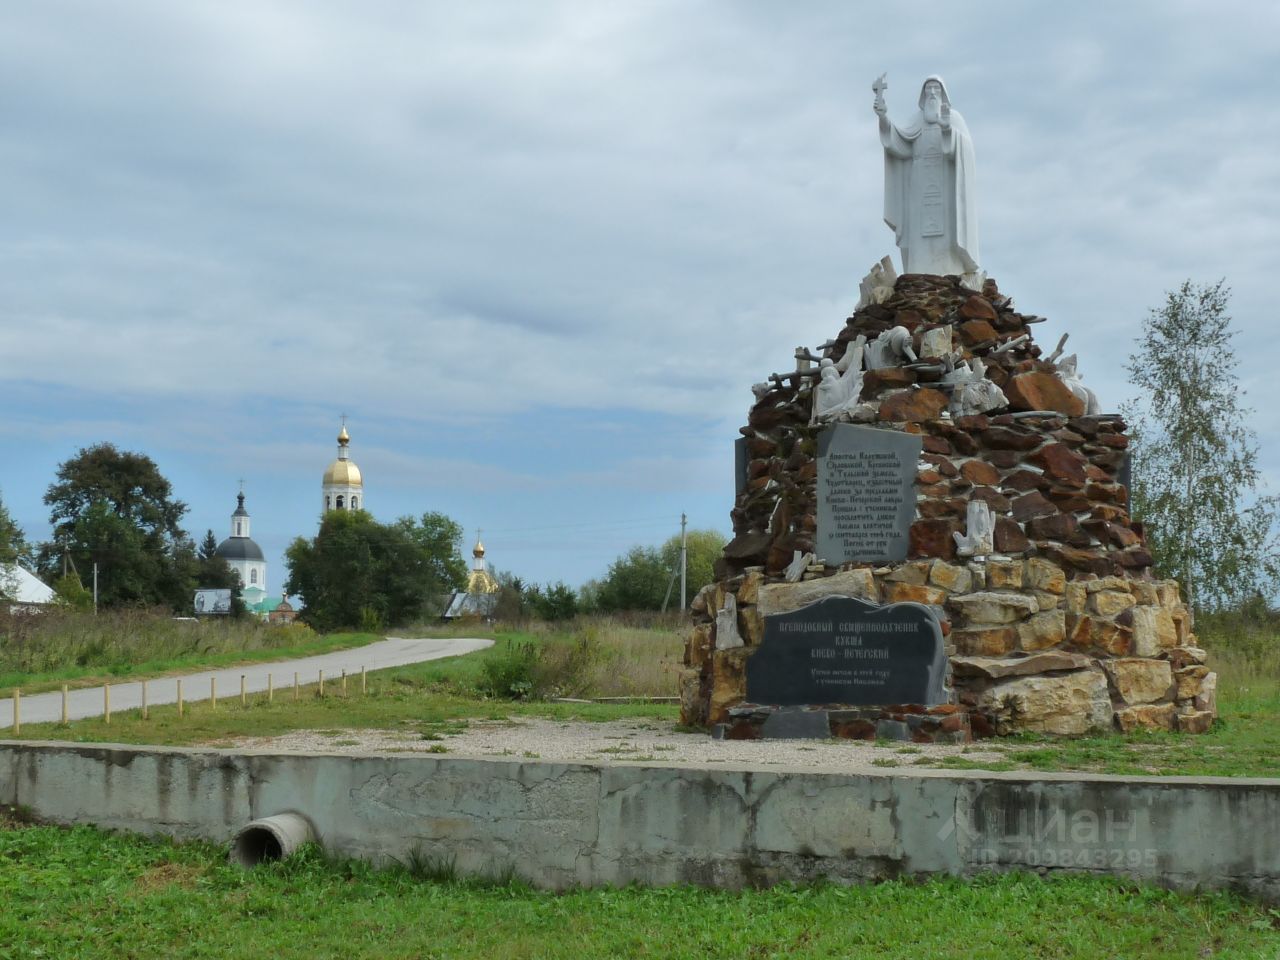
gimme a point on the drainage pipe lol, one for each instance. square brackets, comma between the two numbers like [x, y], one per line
[270, 838]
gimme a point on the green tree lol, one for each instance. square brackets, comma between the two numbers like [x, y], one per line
[556, 601]
[637, 580]
[1195, 477]
[115, 508]
[14, 549]
[357, 572]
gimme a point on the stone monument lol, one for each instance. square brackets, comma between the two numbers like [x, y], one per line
[931, 527]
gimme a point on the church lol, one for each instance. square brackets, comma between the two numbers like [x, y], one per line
[481, 596]
[343, 487]
[245, 557]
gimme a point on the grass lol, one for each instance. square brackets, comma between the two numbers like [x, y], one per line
[82, 893]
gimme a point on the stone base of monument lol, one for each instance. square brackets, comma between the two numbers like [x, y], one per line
[912, 723]
[1009, 529]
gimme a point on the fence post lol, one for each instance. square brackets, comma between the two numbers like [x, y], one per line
[64, 705]
[106, 703]
[179, 696]
[213, 693]
[344, 681]
[145, 713]
[17, 710]
[244, 702]
[296, 692]
[363, 683]
[271, 690]
[322, 683]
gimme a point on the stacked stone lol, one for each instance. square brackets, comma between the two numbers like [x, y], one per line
[1063, 631]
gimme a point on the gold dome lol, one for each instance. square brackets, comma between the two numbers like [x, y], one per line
[343, 437]
[478, 552]
[343, 472]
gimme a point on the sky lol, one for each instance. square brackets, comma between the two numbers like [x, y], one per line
[537, 252]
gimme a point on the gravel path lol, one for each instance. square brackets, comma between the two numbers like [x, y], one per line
[88, 701]
[641, 740]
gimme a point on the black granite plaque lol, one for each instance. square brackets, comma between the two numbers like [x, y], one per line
[866, 493]
[842, 650]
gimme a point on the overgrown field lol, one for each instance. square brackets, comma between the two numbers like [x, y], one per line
[82, 893]
[41, 652]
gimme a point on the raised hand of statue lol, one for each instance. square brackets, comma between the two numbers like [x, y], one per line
[944, 115]
[879, 87]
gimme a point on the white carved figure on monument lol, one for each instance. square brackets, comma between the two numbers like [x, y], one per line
[930, 186]
[840, 384]
[891, 349]
[979, 540]
[971, 392]
[878, 285]
[1069, 374]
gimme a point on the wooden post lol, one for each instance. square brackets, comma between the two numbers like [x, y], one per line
[364, 686]
[179, 696]
[344, 682]
[244, 702]
[271, 690]
[106, 703]
[145, 714]
[65, 715]
[296, 693]
[17, 710]
[322, 683]
[213, 693]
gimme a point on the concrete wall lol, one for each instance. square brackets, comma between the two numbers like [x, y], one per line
[559, 825]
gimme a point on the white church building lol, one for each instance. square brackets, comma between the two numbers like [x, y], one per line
[244, 556]
[343, 487]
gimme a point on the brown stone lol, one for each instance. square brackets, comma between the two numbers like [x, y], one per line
[747, 546]
[1069, 501]
[1086, 561]
[979, 473]
[940, 463]
[997, 501]
[987, 641]
[977, 308]
[1004, 459]
[1009, 537]
[988, 607]
[1146, 716]
[974, 422]
[1207, 698]
[698, 648]
[1031, 505]
[1024, 480]
[1060, 526]
[1153, 631]
[728, 682]
[1138, 680]
[1107, 493]
[761, 447]
[1121, 536]
[975, 332]
[938, 445]
[749, 590]
[1189, 681]
[1108, 603]
[913, 406]
[913, 593]
[1182, 657]
[1135, 558]
[932, 538]
[1061, 463]
[950, 576]
[873, 381]
[784, 597]
[916, 572]
[1041, 391]
[1003, 438]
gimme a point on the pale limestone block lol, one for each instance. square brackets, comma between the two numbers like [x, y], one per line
[1146, 716]
[1004, 574]
[1044, 575]
[1076, 595]
[995, 608]
[1153, 631]
[1108, 603]
[1067, 704]
[950, 576]
[785, 597]
[1140, 681]
[1043, 630]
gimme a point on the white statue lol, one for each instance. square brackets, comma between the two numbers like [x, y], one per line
[727, 635]
[971, 392]
[930, 192]
[980, 538]
[1069, 374]
[891, 349]
[839, 384]
[878, 285]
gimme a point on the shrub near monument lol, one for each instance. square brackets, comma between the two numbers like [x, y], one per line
[1010, 523]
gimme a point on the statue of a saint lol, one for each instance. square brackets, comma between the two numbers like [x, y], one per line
[930, 197]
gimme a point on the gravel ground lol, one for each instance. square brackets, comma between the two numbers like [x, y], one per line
[618, 741]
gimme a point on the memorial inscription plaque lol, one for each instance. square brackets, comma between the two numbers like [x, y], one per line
[842, 650]
[866, 494]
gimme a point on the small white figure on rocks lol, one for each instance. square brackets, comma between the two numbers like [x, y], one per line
[727, 635]
[891, 349]
[979, 539]
[930, 185]
[798, 565]
[971, 392]
[1069, 374]
[878, 285]
[840, 384]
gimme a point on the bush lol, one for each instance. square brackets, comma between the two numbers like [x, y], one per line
[528, 669]
[510, 673]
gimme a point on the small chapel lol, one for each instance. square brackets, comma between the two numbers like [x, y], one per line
[481, 595]
[245, 557]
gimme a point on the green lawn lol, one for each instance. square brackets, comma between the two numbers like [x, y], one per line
[82, 893]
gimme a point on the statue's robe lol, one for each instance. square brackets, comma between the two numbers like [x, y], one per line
[930, 195]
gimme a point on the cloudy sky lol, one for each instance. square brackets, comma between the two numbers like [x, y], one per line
[538, 251]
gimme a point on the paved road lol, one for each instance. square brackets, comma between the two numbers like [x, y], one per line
[87, 702]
